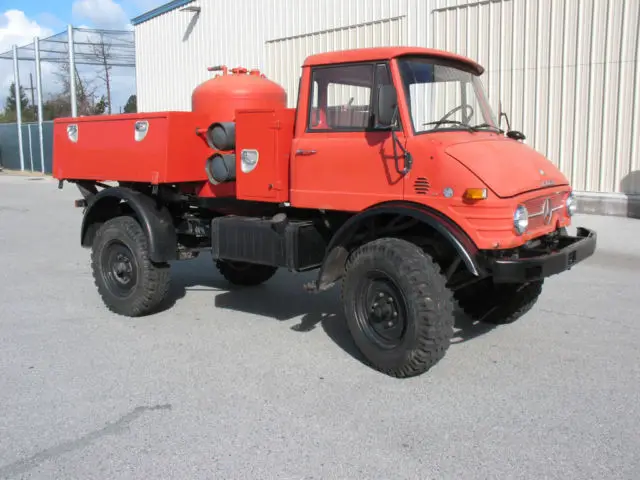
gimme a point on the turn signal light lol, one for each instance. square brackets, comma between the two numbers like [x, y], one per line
[475, 193]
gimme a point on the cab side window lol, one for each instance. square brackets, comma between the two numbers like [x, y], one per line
[341, 98]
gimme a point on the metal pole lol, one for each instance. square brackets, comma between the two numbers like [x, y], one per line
[72, 72]
[16, 77]
[36, 43]
[30, 146]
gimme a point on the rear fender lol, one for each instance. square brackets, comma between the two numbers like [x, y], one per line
[338, 250]
[155, 220]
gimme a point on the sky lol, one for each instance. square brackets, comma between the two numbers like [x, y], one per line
[22, 20]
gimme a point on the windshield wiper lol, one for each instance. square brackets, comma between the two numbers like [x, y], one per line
[454, 122]
[482, 126]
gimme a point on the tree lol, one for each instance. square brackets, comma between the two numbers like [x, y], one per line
[84, 92]
[10, 104]
[132, 104]
[10, 114]
[101, 106]
[56, 106]
[102, 54]
[87, 104]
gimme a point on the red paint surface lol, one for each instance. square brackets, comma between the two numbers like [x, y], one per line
[270, 133]
[220, 97]
[385, 53]
[107, 150]
[507, 167]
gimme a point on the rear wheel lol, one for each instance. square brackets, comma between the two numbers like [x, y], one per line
[128, 281]
[245, 274]
[398, 308]
[499, 304]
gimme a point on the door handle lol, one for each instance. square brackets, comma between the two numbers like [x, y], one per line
[306, 152]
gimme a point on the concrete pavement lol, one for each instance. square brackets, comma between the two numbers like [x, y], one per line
[265, 382]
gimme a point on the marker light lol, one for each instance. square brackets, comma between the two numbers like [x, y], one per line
[475, 193]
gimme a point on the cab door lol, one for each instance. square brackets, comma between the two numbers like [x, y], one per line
[341, 160]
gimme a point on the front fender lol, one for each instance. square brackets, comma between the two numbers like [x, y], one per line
[155, 220]
[337, 252]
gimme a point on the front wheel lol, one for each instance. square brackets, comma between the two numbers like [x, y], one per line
[129, 283]
[398, 308]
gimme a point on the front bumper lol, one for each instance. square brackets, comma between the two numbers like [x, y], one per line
[535, 266]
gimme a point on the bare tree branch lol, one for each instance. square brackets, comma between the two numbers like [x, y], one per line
[102, 54]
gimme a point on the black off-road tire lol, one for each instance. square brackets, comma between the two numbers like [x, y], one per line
[120, 251]
[245, 274]
[498, 304]
[424, 306]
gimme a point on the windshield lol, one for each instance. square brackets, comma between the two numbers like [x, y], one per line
[441, 96]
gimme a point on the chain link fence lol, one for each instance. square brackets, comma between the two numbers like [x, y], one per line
[77, 72]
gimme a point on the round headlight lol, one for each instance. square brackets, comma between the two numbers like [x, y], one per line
[571, 204]
[521, 219]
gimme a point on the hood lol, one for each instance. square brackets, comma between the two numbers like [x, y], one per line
[506, 166]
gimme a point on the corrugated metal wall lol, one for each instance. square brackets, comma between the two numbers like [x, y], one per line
[174, 50]
[390, 31]
[566, 71]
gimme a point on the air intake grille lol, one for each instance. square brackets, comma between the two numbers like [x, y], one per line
[421, 186]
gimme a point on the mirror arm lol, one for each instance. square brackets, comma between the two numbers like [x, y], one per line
[408, 159]
[503, 114]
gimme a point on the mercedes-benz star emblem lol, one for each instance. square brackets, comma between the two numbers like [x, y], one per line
[547, 212]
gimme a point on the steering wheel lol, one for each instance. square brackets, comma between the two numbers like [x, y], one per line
[452, 111]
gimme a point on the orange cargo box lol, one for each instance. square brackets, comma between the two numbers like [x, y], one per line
[158, 147]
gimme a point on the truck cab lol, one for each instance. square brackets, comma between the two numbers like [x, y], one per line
[417, 127]
[391, 177]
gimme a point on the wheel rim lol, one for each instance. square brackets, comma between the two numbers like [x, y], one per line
[119, 269]
[381, 310]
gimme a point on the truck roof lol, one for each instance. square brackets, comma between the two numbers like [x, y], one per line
[386, 53]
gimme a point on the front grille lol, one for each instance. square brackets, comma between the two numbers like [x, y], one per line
[539, 214]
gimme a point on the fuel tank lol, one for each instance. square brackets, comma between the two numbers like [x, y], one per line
[237, 89]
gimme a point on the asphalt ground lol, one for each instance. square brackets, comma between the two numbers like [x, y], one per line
[265, 382]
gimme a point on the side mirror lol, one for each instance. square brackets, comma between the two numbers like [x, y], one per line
[387, 105]
[515, 135]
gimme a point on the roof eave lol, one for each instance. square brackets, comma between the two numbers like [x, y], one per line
[162, 9]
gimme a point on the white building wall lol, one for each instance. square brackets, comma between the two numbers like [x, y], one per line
[565, 71]
[174, 50]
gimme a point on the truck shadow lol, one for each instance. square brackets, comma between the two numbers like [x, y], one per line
[282, 298]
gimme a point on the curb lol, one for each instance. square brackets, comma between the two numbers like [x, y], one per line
[609, 204]
[22, 173]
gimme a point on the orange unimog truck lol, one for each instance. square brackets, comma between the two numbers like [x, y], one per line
[391, 176]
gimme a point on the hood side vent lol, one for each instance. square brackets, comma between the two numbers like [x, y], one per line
[421, 186]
